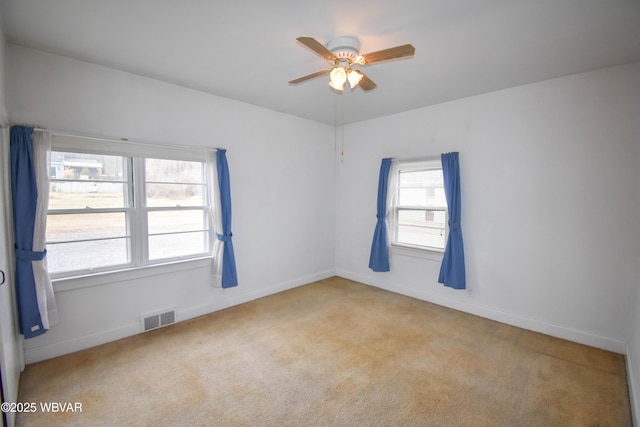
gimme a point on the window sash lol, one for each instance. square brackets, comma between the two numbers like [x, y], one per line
[154, 234]
[106, 214]
[195, 218]
[414, 234]
[136, 222]
[188, 241]
[90, 265]
[402, 237]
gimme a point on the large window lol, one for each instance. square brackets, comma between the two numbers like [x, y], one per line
[419, 207]
[115, 206]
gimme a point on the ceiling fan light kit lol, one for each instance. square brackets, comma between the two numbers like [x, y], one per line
[343, 53]
[340, 75]
[337, 78]
[354, 77]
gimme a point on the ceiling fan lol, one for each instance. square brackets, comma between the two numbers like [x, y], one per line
[343, 53]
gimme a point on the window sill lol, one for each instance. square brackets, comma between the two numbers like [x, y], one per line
[105, 278]
[417, 252]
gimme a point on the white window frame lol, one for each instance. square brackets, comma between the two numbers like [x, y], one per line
[135, 154]
[398, 167]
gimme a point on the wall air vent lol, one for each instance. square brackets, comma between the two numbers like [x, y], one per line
[157, 320]
[167, 318]
[151, 322]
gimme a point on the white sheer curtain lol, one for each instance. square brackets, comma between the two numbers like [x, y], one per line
[392, 194]
[218, 246]
[44, 288]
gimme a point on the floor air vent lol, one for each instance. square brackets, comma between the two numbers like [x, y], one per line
[158, 320]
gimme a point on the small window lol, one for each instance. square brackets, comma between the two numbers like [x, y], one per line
[419, 207]
[109, 212]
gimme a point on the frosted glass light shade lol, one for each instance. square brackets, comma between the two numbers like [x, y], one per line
[354, 78]
[338, 78]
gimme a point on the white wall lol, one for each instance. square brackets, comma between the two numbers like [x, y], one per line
[550, 206]
[3, 110]
[282, 184]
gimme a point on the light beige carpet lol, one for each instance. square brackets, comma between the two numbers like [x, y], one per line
[333, 353]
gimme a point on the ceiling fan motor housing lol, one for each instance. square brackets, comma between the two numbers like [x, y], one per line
[346, 48]
[344, 53]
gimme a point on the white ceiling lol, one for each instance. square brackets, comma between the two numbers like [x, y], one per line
[246, 49]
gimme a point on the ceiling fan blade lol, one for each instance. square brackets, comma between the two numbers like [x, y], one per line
[366, 83]
[391, 53]
[317, 47]
[310, 76]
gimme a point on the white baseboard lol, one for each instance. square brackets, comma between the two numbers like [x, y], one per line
[50, 351]
[513, 319]
[37, 354]
[241, 298]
